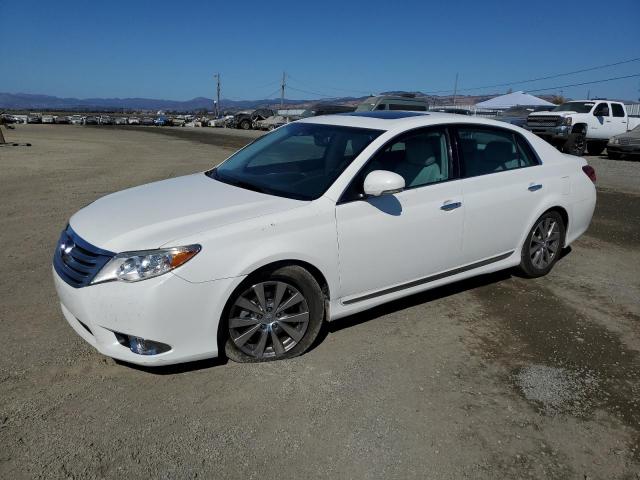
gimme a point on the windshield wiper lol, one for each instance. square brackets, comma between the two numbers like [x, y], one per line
[237, 183]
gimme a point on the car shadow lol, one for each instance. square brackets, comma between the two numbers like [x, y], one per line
[355, 319]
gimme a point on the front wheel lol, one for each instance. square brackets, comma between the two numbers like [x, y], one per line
[245, 125]
[274, 315]
[614, 155]
[542, 246]
[595, 148]
[575, 144]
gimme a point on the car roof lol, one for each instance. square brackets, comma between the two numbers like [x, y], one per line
[387, 120]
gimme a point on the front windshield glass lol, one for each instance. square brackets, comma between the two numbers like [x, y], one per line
[578, 107]
[299, 160]
[367, 105]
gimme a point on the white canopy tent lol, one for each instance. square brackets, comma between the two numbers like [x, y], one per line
[503, 102]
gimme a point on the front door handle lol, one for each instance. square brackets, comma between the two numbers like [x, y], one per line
[447, 206]
[534, 187]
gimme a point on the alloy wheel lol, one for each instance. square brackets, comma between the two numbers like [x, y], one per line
[268, 319]
[545, 243]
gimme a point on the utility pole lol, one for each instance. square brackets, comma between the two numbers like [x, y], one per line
[455, 89]
[284, 84]
[217, 109]
[588, 94]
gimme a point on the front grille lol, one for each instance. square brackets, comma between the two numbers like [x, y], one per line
[543, 121]
[629, 141]
[77, 261]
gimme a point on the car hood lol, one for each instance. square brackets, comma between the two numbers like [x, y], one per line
[559, 114]
[153, 215]
[632, 134]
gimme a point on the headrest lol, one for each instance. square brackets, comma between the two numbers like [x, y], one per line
[469, 145]
[419, 151]
[499, 151]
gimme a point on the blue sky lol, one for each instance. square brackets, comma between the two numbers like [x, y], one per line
[168, 49]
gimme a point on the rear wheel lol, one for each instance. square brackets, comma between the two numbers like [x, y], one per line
[595, 148]
[274, 315]
[542, 246]
[245, 124]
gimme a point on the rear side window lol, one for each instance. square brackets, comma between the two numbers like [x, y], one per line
[486, 150]
[618, 111]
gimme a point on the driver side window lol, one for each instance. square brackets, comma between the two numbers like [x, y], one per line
[421, 157]
[602, 110]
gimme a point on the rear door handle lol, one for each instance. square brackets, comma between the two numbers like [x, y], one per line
[447, 206]
[534, 187]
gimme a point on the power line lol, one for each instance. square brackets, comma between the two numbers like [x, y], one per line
[548, 77]
[366, 92]
[311, 93]
[585, 83]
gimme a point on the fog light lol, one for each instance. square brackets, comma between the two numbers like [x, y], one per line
[141, 346]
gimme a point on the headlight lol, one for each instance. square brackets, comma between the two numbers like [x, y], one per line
[567, 121]
[614, 141]
[136, 266]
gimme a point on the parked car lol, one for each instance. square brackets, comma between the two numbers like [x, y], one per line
[61, 119]
[34, 118]
[220, 122]
[576, 125]
[8, 119]
[273, 122]
[91, 120]
[106, 120]
[245, 119]
[161, 121]
[249, 258]
[178, 122]
[326, 109]
[121, 121]
[518, 115]
[625, 144]
[133, 121]
[147, 121]
[406, 101]
[76, 119]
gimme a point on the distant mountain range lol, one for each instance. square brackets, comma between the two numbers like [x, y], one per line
[26, 101]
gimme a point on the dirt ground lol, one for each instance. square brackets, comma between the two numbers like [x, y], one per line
[496, 377]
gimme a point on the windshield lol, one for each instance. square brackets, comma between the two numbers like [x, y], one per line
[367, 105]
[299, 160]
[578, 107]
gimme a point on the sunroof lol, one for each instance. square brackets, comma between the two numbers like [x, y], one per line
[385, 114]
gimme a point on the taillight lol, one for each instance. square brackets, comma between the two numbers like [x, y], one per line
[590, 172]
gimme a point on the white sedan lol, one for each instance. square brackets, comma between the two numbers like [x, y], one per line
[320, 219]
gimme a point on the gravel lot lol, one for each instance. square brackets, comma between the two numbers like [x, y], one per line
[496, 377]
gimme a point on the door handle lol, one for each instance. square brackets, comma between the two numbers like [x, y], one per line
[447, 206]
[534, 187]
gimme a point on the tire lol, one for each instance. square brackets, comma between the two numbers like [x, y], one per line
[575, 144]
[595, 148]
[271, 128]
[614, 155]
[254, 326]
[245, 124]
[532, 264]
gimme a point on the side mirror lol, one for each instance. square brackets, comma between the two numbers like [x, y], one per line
[383, 182]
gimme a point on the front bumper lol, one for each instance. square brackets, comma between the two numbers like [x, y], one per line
[624, 149]
[552, 133]
[164, 309]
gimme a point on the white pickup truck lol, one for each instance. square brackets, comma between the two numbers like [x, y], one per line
[576, 125]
